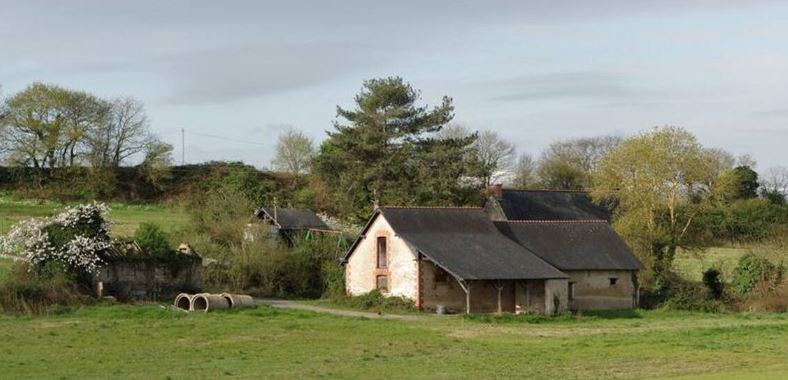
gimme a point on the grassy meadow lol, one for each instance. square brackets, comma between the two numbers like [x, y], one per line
[152, 341]
[126, 217]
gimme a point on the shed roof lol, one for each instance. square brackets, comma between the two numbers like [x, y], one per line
[464, 242]
[573, 245]
[292, 218]
[549, 205]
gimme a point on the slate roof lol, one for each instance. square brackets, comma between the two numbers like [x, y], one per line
[292, 219]
[549, 205]
[465, 242]
[573, 245]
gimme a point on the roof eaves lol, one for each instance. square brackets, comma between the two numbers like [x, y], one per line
[556, 221]
[360, 237]
[430, 207]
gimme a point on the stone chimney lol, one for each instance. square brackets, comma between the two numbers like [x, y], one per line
[495, 190]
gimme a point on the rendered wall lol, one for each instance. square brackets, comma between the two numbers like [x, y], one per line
[361, 269]
[593, 290]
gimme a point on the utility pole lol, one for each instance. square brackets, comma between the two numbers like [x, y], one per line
[183, 148]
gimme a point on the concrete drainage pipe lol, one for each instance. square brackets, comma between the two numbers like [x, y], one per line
[238, 300]
[183, 301]
[206, 302]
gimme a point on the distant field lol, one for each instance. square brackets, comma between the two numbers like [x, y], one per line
[692, 264]
[127, 217]
[144, 342]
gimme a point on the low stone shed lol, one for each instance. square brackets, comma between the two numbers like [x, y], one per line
[129, 274]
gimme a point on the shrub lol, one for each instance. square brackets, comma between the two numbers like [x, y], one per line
[222, 215]
[308, 269]
[75, 238]
[753, 268]
[690, 297]
[765, 299]
[376, 301]
[48, 289]
[152, 239]
[714, 285]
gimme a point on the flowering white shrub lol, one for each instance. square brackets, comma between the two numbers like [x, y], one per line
[76, 238]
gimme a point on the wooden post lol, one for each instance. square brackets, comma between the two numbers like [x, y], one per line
[466, 286]
[499, 286]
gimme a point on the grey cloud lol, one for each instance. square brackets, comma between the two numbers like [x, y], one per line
[592, 85]
[229, 74]
[774, 113]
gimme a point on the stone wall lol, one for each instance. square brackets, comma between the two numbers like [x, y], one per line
[594, 291]
[447, 293]
[141, 279]
[529, 297]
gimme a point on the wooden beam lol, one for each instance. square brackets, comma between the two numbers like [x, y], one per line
[499, 286]
[466, 287]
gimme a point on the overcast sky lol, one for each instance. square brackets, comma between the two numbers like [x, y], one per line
[246, 70]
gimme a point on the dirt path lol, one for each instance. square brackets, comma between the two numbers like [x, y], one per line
[283, 304]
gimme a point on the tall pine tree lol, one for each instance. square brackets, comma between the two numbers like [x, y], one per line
[384, 151]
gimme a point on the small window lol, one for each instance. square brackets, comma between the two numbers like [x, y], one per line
[441, 275]
[382, 252]
[383, 283]
[613, 281]
[572, 286]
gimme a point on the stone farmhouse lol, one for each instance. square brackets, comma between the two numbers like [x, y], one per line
[524, 251]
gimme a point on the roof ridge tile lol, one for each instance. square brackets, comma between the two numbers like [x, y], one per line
[568, 221]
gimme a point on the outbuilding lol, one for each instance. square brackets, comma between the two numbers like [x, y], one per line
[560, 254]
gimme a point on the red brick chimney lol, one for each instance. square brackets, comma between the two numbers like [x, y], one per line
[495, 190]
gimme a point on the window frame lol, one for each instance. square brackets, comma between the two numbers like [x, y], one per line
[572, 289]
[384, 252]
[613, 281]
[377, 283]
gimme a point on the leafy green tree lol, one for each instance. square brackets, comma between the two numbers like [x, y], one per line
[152, 239]
[746, 182]
[657, 179]
[385, 151]
[32, 128]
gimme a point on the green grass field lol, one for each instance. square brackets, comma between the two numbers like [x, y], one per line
[144, 342]
[126, 216]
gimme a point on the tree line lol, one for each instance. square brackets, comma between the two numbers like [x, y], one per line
[667, 191]
[48, 126]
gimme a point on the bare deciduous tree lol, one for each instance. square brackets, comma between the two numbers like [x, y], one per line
[294, 153]
[776, 180]
[495, 155]
[525, 172]
[570, 164]
[123, 134]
